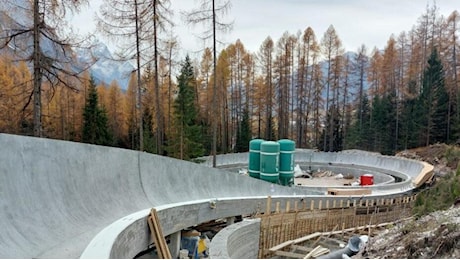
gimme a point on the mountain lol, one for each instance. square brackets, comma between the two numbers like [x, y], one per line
[104, 70]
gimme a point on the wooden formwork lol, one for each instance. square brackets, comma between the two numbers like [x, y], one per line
[292, 221]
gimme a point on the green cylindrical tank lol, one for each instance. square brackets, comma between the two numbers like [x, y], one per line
[254, 158]
[269, 161]
[287, 150]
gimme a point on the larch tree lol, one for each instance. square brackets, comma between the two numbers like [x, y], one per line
[171, 45]
[47, 25]
[15, 86]
[452, 80]
[284, 70]
[210, 13]
[259, 107]
[390, 88]
[266, 61]
[308, 52]
[115, 114]
[239, 87]
[248, 65]
[223, 78]
[331, 46]
[135, 24]
[132, 112]
[361, 62]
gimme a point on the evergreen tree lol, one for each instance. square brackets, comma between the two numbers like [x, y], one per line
[186, 142]
[334, 127]
[433, 103]
[149, 138]
[440, 132]
[409, 119]
[244, 134]
[95, 125]
[359, 135]
[384, 124]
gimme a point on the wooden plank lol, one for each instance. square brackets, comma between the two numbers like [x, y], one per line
[157, 239]
[289, 254]
[154, 237]
[162, 237]
[157, 234]
[311, 252]
[327, 235]
[317, 251]
[357, 191]
[302, 249]
[281, 246]
[307, 237]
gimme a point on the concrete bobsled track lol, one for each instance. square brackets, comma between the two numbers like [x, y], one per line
[63, 199]
[55, 196]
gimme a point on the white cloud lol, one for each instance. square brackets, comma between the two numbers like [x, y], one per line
[356, 21]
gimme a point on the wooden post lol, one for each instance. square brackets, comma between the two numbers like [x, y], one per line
[269, 205]
[157, 235]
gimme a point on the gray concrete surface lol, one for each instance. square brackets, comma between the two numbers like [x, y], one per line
[237, 241]
[56, 196]
[65, 200]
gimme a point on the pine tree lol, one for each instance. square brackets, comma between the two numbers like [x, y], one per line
[359, 135]
[186, 140]
[409, 119]
[433, 102]
[149, 138]
[336, 135]
[244, 134]
[95, 123]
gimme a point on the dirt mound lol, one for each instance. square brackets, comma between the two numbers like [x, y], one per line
[436, 235]
[444, 158]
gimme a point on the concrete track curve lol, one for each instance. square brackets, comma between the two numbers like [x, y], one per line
[62, 199]
[55, 196]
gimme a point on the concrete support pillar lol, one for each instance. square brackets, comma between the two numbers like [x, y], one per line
[174, 244]
[230, 220]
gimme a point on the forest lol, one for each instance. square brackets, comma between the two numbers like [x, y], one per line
[302, 86]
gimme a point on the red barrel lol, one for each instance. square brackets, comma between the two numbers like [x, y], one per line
[367, 179]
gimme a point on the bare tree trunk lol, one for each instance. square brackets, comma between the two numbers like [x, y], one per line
[37, 71]
[169, 85]
[157, 84]
[214, 122]
[139, 88]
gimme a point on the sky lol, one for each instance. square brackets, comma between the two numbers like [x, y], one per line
[356, 22]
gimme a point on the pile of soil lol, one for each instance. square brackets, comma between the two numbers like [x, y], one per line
[436, 235]
[443, 157]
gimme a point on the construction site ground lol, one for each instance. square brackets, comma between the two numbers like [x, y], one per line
[433, 235]
[324, 180]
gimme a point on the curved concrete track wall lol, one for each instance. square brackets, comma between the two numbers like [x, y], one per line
[65, 200]
[237, 241]
[56, 196]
